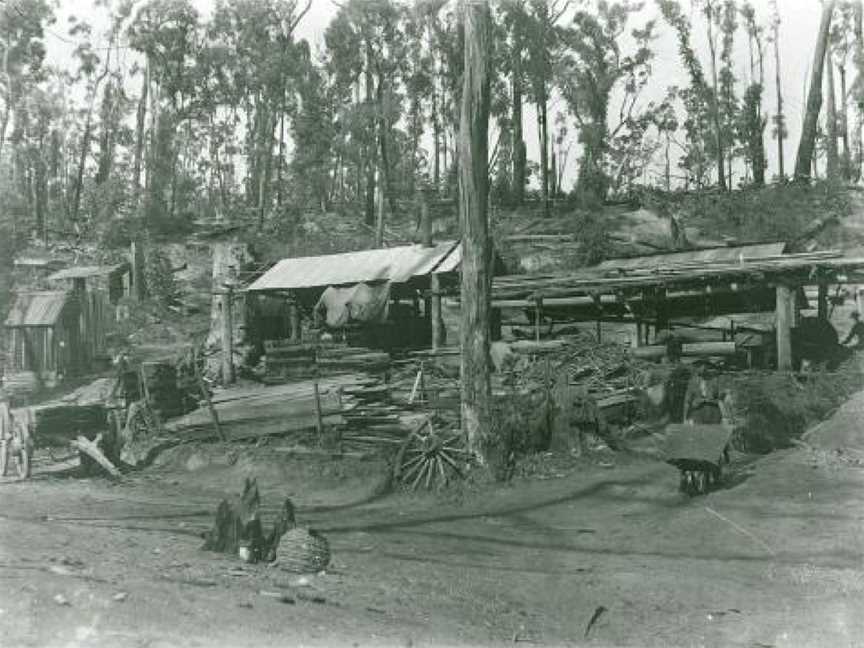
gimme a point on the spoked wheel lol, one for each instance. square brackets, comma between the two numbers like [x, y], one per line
[430, 458]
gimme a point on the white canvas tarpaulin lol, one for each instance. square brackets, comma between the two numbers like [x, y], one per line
[358, 303]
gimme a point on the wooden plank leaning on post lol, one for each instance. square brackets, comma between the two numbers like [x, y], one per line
[206, 396]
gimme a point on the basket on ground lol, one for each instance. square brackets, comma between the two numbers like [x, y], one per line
[303, 551]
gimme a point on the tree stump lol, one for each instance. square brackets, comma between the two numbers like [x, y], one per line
[238, 529]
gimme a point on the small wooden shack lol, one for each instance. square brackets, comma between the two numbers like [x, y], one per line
[53, 334]
[43, 335]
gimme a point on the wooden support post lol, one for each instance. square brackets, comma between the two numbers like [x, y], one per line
[319, 421]
[437, 322]
[227, 336]
[822, 302]
[784, 327]
[538, 315]
[859, 301]
[599, 306]
[294, 320]
[636, 341]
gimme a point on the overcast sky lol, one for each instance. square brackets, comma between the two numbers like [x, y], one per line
[797, 37]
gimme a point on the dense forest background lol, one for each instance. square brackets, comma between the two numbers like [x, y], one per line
[166, 117]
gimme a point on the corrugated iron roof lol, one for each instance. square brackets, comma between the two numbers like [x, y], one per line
[85, 272]
[727, 254]
[397, 264]
[36, 309]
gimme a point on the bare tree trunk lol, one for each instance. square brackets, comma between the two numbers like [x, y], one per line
[85, 140]
[517, 185]
[780, 118]
[832, 159]
[140, 121]
[859, 51]
[544, 148]
[843, 117]
[473, 205]
[7, 109]
[814, 97]
[371, 146]
[281, 159]
[436, 136]
[715, 105]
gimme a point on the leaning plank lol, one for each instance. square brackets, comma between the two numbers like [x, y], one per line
[92, 450]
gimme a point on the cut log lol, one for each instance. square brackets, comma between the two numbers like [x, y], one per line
[529, 346]
[696, 349]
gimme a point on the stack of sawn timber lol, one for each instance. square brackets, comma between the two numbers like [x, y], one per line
[249, 412]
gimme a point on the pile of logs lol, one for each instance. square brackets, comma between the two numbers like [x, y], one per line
[286, 360]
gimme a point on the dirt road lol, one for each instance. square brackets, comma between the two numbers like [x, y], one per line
[775, 560]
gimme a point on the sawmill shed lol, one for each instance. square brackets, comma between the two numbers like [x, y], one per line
[656, 290]
[387, 297]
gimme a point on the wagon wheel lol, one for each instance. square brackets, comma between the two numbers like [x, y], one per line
[430, 458]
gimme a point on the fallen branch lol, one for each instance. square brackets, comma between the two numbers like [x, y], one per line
[91, 449]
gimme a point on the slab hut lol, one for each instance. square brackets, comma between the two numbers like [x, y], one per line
[382, 298]
[43, 336]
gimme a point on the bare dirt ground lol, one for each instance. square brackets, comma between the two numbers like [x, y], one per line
[777, 559]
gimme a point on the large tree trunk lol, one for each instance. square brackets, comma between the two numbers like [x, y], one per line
[832, 158]
[814, 98]
[476, 254]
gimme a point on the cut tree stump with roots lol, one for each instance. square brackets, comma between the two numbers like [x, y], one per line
[238, 530]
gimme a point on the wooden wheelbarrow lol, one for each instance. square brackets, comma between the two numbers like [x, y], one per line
[699, 451]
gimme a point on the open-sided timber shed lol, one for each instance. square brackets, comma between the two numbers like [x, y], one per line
[645, 291]
[411, 274]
